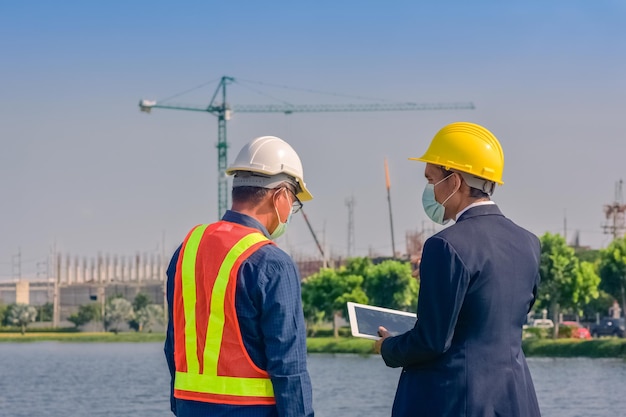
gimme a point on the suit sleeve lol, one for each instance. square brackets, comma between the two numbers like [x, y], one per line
[443, 284]
[537, 244]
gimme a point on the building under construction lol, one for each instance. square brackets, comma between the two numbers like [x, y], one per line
[616, 214]
[75, 281]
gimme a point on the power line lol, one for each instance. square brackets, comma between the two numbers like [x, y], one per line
[190, 90]
[308, 90]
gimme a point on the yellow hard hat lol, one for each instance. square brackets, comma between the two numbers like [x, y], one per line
[469, 148]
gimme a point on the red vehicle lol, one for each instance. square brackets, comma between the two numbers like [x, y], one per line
[578, 331]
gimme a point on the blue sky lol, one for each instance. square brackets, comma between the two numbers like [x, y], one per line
[82, 170]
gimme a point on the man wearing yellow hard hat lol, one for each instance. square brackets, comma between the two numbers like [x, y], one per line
[478, 280]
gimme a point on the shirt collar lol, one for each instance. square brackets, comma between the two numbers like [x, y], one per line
[478, 203]
[244, 220]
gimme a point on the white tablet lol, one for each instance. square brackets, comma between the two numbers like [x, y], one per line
[365, 319]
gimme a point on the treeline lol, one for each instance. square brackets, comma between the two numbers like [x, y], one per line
[21, 315]
[575, 281]
[140, 315]
[578, 281]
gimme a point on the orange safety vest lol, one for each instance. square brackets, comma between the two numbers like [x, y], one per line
[212, 363]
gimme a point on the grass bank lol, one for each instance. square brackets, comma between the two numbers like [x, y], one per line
[339, 345]
[82, 337]
[596, 348]
[568, 348]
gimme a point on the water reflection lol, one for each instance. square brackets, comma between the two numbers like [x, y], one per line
[116, 379]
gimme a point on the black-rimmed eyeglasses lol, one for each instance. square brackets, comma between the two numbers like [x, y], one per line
[296, 206]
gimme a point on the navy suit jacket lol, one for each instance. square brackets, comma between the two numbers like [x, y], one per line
[478, 280]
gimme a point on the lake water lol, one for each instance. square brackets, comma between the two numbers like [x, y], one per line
[120, 379]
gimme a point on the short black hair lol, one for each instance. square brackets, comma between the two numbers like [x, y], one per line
[254, 195]
[250, 195]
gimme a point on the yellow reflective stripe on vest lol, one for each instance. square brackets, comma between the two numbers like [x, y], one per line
[225, 385]
[209, 381]
[189, 297]
[215, 327]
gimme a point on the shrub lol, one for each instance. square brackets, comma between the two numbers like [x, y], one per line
[565, 332]
[536, 333]
[21, 315]
[86, 313]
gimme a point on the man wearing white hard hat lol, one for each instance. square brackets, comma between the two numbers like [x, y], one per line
[236, 341]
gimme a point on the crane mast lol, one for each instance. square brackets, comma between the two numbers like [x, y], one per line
[222, 184]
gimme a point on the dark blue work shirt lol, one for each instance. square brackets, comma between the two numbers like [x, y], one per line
[269, 309]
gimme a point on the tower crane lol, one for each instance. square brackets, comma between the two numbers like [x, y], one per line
[223, 111]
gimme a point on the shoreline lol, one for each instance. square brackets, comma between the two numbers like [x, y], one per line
[596, 348]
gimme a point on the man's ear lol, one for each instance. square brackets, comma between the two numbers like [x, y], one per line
[457, 177]
[461, 181]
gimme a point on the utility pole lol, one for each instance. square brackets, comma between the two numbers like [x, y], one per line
[103, 291]
[56, 309]
[42, 271]
[163, 271]
[393, 241]
[16, 263]
[350, 204]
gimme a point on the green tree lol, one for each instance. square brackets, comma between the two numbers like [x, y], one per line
[602, 303]
[585, 287]
[45, 312]
[118, 311]
[21, 315]
[141, 301]
[391, 285]
[3, 314]
[86, 313]
[565, 282]
[587, 255]
[326, 293]
[358, 266]
[147, 316]
[612, 270]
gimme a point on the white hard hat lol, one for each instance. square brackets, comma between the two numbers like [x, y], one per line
[275, 160]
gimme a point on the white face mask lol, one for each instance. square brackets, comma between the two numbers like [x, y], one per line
[435, 210]
[282, 227]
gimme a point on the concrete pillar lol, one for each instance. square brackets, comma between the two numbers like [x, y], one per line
[92, 268]
[137, 267]
[99, 269]
[146, 267]
[153, 270]
[22, 292]
[75, 269]
[68, 280]
[115, 276]
[123, 271]
[71, 278]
